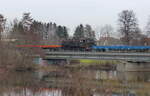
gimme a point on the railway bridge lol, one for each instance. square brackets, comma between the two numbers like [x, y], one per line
[128, 61]
[139, 57]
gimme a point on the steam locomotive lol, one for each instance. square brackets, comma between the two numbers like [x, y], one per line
[78, 44]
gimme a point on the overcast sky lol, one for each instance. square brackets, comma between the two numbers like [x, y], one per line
[73, 12]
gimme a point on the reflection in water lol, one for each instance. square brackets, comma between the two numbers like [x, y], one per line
[100, 83]
[130, 76]
[75, 82]
[27, 92]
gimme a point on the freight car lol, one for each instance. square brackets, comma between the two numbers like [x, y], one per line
[49, 47]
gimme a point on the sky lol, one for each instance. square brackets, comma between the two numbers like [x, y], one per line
[74, 12]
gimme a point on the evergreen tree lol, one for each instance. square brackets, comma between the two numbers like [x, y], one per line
[84, 32]
[62, 32]
[79, 32]
[65, 32]
[59, 31]
[88, 32]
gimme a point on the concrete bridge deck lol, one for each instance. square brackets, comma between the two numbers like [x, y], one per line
[99, 56]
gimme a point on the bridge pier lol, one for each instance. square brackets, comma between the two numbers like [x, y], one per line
[41, 61]
[57, 61]
[137, 76]
[133, 66]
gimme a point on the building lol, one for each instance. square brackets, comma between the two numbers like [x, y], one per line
[105, 41]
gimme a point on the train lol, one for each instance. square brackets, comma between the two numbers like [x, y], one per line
[89, 45]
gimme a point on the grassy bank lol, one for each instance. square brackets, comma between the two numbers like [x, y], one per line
[94, 64]
[98, 61]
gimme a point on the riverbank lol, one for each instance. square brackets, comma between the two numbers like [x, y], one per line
[93, 64]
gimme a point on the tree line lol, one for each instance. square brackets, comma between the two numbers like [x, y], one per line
[27, 29]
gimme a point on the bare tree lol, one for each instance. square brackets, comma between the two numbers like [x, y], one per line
[20, 58]
[105, 34]
[106, 31]
[26, 21]
[2, 25]
[127, 25]
[52, 37]
[137, 37]
[147, 28]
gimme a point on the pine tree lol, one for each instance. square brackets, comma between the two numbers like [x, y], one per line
[88, 32]
[79, 32]
[65, 32]
[59, 31]
[62, 32]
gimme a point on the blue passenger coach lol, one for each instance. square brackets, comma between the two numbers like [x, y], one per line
[121, 48]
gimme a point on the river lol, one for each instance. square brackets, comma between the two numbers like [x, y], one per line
[62, 81]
